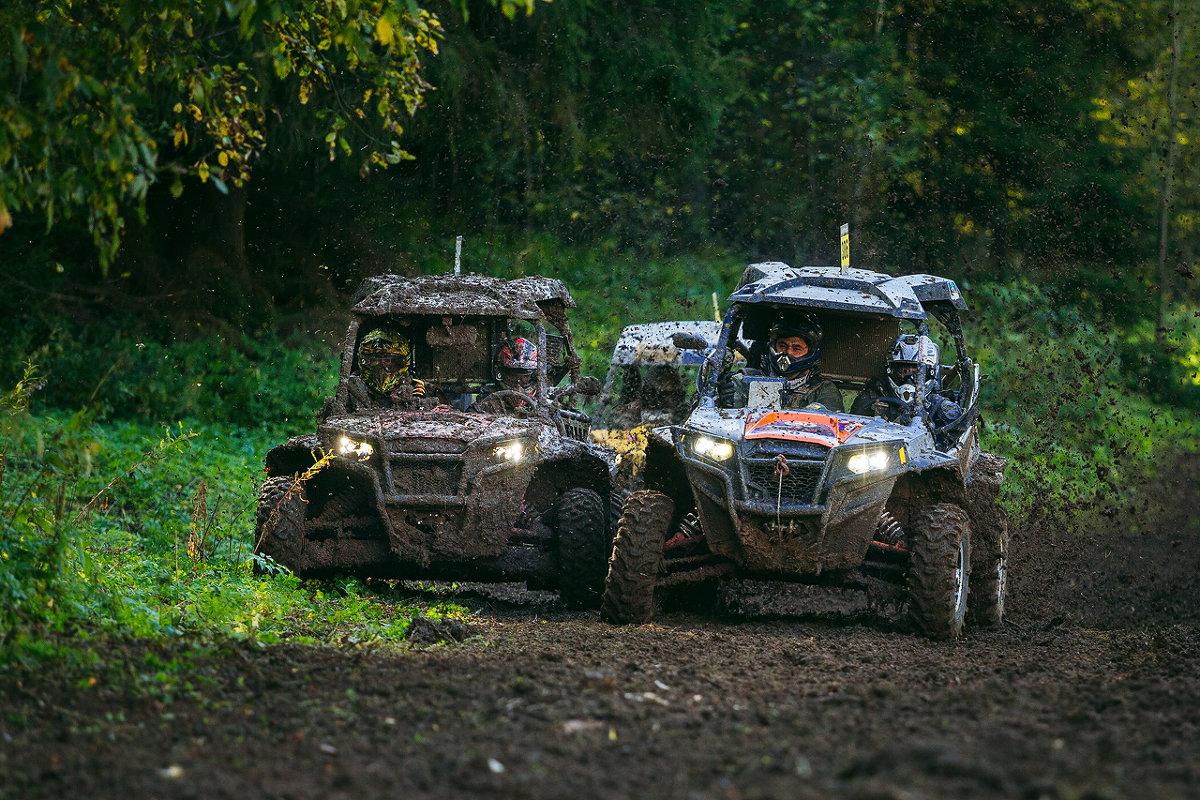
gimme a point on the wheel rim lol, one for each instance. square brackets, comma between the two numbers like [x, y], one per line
[1001, 581]
[960, 572]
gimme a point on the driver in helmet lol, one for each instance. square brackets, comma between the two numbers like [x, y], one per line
[792, 352]
[908, 354]
[516, 371]
[385, 364]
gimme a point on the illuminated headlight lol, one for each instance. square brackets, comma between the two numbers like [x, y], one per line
[716, 449]
[872, 461]
[509, 453]
[352, 448]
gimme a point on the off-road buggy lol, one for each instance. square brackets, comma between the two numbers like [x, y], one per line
[448, 485]
[650, 383]
[905, 508]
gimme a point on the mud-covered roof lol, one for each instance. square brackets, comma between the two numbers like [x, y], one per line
[651, 342]
[465, 295]
[856, 290]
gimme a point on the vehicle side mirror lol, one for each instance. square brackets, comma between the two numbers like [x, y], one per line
[689, 341]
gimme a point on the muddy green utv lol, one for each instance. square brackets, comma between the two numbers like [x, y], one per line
[445, 475]
[893, 496]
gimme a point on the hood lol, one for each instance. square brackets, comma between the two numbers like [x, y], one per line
[799, 425]
[813, 427]
[452, 430]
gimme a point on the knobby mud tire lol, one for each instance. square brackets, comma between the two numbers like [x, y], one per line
[940, 547]
[989, 542]
[581, 521]
[636, 558]
[279, 522]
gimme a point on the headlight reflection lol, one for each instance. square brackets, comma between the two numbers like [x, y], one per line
[716, 449]
[351, 447]
[862, 463]
[509, 453]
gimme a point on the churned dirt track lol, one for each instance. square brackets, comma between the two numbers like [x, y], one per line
[1091, 689]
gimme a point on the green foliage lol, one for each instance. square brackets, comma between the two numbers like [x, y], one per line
[592, 121]
[1058, 402]
[120, 370]
[939, 130]
[105, 532]
[103, 99]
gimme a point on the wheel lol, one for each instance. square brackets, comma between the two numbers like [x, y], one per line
[279, 521]
[940, 559]
[581, 522]
[989, 541]
[636, 556]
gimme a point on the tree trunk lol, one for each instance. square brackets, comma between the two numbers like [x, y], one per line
[229, 229]
[1164, 272]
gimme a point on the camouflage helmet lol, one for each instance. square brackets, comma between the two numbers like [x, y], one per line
[384, 358]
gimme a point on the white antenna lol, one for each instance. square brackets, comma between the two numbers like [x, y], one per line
[716, 308]
[458, 255]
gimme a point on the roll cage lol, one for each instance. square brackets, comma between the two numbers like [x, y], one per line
[861, 314]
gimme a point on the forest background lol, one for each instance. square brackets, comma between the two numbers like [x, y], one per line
[190, 190]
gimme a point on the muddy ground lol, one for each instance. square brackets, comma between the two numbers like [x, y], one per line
[1090, 689]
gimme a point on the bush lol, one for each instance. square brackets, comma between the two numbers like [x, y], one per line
[1057, 402]
[115, 528]
[126, 373]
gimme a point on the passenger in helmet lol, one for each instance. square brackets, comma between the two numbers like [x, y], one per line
[516, 371]
[909, 354]
[516, 365]
[385, 365]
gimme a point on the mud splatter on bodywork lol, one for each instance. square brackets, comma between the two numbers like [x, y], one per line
[439, 484]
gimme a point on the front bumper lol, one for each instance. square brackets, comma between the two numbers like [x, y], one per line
[803, 524]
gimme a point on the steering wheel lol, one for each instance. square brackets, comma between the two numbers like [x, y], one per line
[486, 404]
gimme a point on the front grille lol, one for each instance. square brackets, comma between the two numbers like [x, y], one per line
[799, 486]
[575, 424]
[421, 475]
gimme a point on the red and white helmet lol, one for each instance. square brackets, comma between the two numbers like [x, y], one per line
[518, 354]
[517, 363]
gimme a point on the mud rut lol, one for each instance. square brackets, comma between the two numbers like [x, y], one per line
[1090, 689]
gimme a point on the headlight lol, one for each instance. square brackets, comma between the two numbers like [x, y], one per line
[352, 448]
[862, 463]
[715, 449]
[876, 460]
[509, 453]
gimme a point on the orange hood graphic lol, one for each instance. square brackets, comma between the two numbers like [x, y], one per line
[800, 426]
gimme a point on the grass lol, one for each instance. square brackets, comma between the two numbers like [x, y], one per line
[151, 536]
